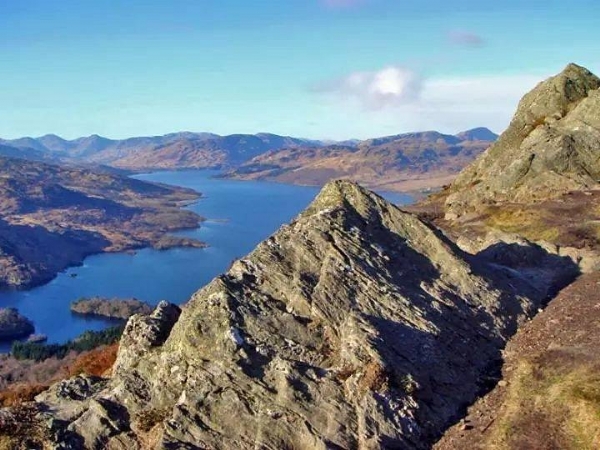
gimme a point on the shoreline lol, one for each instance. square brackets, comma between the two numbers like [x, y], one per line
[148, 235]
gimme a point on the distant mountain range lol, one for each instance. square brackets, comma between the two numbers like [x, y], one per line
[422, 159]
[171, 151]
[402, 162]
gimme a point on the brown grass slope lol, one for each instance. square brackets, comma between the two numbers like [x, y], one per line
[550, 394]
[540, 180]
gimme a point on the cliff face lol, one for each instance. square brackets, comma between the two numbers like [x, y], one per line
[550, 148]
[355, 326]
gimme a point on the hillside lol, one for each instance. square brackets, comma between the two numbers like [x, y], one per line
[540, 182]
[52, 217]
[356, 326]
[540, 179]
[549, 148]
[549, 396]
[404, 162]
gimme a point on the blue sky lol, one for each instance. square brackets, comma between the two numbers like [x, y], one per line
[314, 68]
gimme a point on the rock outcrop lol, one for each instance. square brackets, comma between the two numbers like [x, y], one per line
[357, 326]
[551, 147]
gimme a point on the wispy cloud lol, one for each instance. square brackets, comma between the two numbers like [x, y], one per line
[340, 4]
[391, 86]
[465, 38]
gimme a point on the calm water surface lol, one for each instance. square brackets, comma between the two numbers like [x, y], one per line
[239, 214]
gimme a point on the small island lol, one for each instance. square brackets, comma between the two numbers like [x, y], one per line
[13, 325]
[168, 241]
[113, 308]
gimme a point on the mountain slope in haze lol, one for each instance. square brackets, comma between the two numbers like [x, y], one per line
[52, 217]
[220, 152]
[551, 146]
[171, 151]
[355, 326]
[403, 162]
[23, 153]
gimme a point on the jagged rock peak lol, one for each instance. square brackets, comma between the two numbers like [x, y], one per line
[549, 148]
[557, 95]
[356, 326]
[344, 194]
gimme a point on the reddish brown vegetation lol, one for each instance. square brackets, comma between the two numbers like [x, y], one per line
[30, 378]
[96, 362]
[19, 393]
[21, 429]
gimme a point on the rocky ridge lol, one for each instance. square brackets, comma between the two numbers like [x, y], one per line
[356, 326]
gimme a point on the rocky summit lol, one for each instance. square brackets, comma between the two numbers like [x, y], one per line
[356, 326]
[550, 148]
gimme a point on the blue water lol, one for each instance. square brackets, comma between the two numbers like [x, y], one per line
[239, 214]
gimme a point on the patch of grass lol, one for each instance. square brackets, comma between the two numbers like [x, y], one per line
[147, 419]
[374, 378]
[582, 394]
[528, 223]
[549, 408]
[20, 393]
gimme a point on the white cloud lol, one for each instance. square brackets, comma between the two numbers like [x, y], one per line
[398, 100]
[391, 86]
[457, 103]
